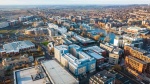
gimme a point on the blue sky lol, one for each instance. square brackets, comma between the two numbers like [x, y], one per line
[71, 2]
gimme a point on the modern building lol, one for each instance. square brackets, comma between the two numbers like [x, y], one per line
[137, 62]
[74, 49]
[113, 58]
[16, 47]
[25, 18]
[36, 31]
[118, 41]
[98, 57]
[82, 40]
[51, 25]
[4, 24]
[103, 77]
[78, 66]
[13, 22]
[132, 40]
[97, 50]
[52, 32]
[137, 30]
[59, 51]
[107, 47]
[57, 74]
[74, 59]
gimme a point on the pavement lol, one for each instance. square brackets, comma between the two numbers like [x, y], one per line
[47, 54]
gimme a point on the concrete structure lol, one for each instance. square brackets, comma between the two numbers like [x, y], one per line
[137, 30]
[137, 62]
[107, 47]
[78, 66]
[97, 50]
[99, 58]
[61, 30]
[13, 22]
[16, 47]
[103, 77]
[36, 31]
[52, 32]
[113, 58]
[118, 41]
[132, 40]
[74, 49]
[31, 75]
[25, 18]
[76, 61]
[59, 50]
[4, 24]
[84, 41]
[51, 25]
[57, 74]
[8, 62]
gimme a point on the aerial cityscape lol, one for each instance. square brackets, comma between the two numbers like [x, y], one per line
[75, 42]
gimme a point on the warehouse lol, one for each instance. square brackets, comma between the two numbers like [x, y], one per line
[16, 47]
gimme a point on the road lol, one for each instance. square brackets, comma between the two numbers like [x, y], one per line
[47, 54]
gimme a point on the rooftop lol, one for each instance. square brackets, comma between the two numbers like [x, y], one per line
[58, 74]
[103, 75]
[62, 47]
[94, 55]
[23, 76]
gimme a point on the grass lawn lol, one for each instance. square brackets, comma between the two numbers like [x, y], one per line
[7, 31]
[3, 31]
[45, 43]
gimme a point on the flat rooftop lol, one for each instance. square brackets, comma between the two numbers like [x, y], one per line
[62, 47]
[23, 76]
[57, 73]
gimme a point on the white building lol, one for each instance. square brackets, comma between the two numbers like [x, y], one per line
[4, 24]
[16, 47]
[59, 50]
[51, 25]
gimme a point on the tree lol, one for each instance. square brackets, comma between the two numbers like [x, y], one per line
[117, 67]
[96, 37]
[39, 48]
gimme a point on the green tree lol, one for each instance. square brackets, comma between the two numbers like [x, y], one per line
[39, 48]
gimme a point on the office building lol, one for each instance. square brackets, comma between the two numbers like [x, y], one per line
[82, 40]
[137, 62]
[107, 47]
[97, 50]
[74, 59]
[113, 58]
[59, 50]
[74, 49]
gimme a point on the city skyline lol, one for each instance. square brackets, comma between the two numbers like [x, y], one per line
[71, 2]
